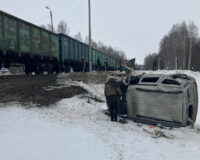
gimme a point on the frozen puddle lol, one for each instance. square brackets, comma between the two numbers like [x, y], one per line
[23, 135]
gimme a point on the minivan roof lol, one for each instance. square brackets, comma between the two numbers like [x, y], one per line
[157, 78]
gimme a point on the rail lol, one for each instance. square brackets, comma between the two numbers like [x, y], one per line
[23, 76]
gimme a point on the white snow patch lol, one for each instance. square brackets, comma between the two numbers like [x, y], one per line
[76, 129]
[25, 135]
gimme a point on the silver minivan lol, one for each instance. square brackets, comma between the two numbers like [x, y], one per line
[170, 100]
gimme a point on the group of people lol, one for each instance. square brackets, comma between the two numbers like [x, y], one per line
[98, 67]
[99, 64]
[115, 91]
[83, 64]
[116, 88]
[123, 64]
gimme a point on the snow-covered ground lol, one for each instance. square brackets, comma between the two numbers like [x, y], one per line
[75, 129]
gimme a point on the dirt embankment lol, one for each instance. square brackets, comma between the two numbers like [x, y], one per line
[42, 91]
[92, 77]
[46, 90]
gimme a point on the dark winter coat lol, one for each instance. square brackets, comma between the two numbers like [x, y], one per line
[82, 62]
[112, 88]
[98, 62]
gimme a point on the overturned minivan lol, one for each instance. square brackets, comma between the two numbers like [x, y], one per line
[170, 100]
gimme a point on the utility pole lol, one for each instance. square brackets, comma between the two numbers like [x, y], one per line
[190, 54]
[51, 18]
[90, 48]
[184, 53]
[159, 59]
[176, 66]
[173, 48]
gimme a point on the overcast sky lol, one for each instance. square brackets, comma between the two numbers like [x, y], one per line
[134, 26]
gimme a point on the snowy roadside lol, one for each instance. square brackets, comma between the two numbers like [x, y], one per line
[27, 134]
[76, 129]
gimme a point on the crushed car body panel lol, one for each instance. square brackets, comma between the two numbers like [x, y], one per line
[162, 99]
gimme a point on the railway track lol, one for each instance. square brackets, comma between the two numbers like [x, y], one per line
[23, 77]
[88, 77]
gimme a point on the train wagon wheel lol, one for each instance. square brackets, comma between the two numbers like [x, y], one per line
[49, 69]
[7, 65]
[27, 69]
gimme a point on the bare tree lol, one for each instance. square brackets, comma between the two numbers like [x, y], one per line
[78, 36]
[122, 54]
[49, 27]
[94, 45]
[100, 44]
[176, 47]
[151, 62]
[193, 30]
[86, 40]
[43, 26]
[63, 28]
[109, 50]
[193, 33]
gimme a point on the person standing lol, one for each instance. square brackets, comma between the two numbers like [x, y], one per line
[123, 88]
[121, 65]
[98, 64]
[106, 64]
[83, 64]
[113, 94]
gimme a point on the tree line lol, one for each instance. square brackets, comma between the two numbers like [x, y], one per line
[179, 49]
[63, 27]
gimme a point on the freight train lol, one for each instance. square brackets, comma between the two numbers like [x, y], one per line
[40, 50]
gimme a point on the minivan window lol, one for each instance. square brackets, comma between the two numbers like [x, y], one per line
[134, 80]
[170, 81]
[150, 79]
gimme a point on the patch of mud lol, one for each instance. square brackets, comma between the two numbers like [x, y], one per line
[48, 90]
[39, 91]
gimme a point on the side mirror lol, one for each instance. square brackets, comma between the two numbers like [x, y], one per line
[131, 63]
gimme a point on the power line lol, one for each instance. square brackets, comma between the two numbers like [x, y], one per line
[58, 11]
[71, 2]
